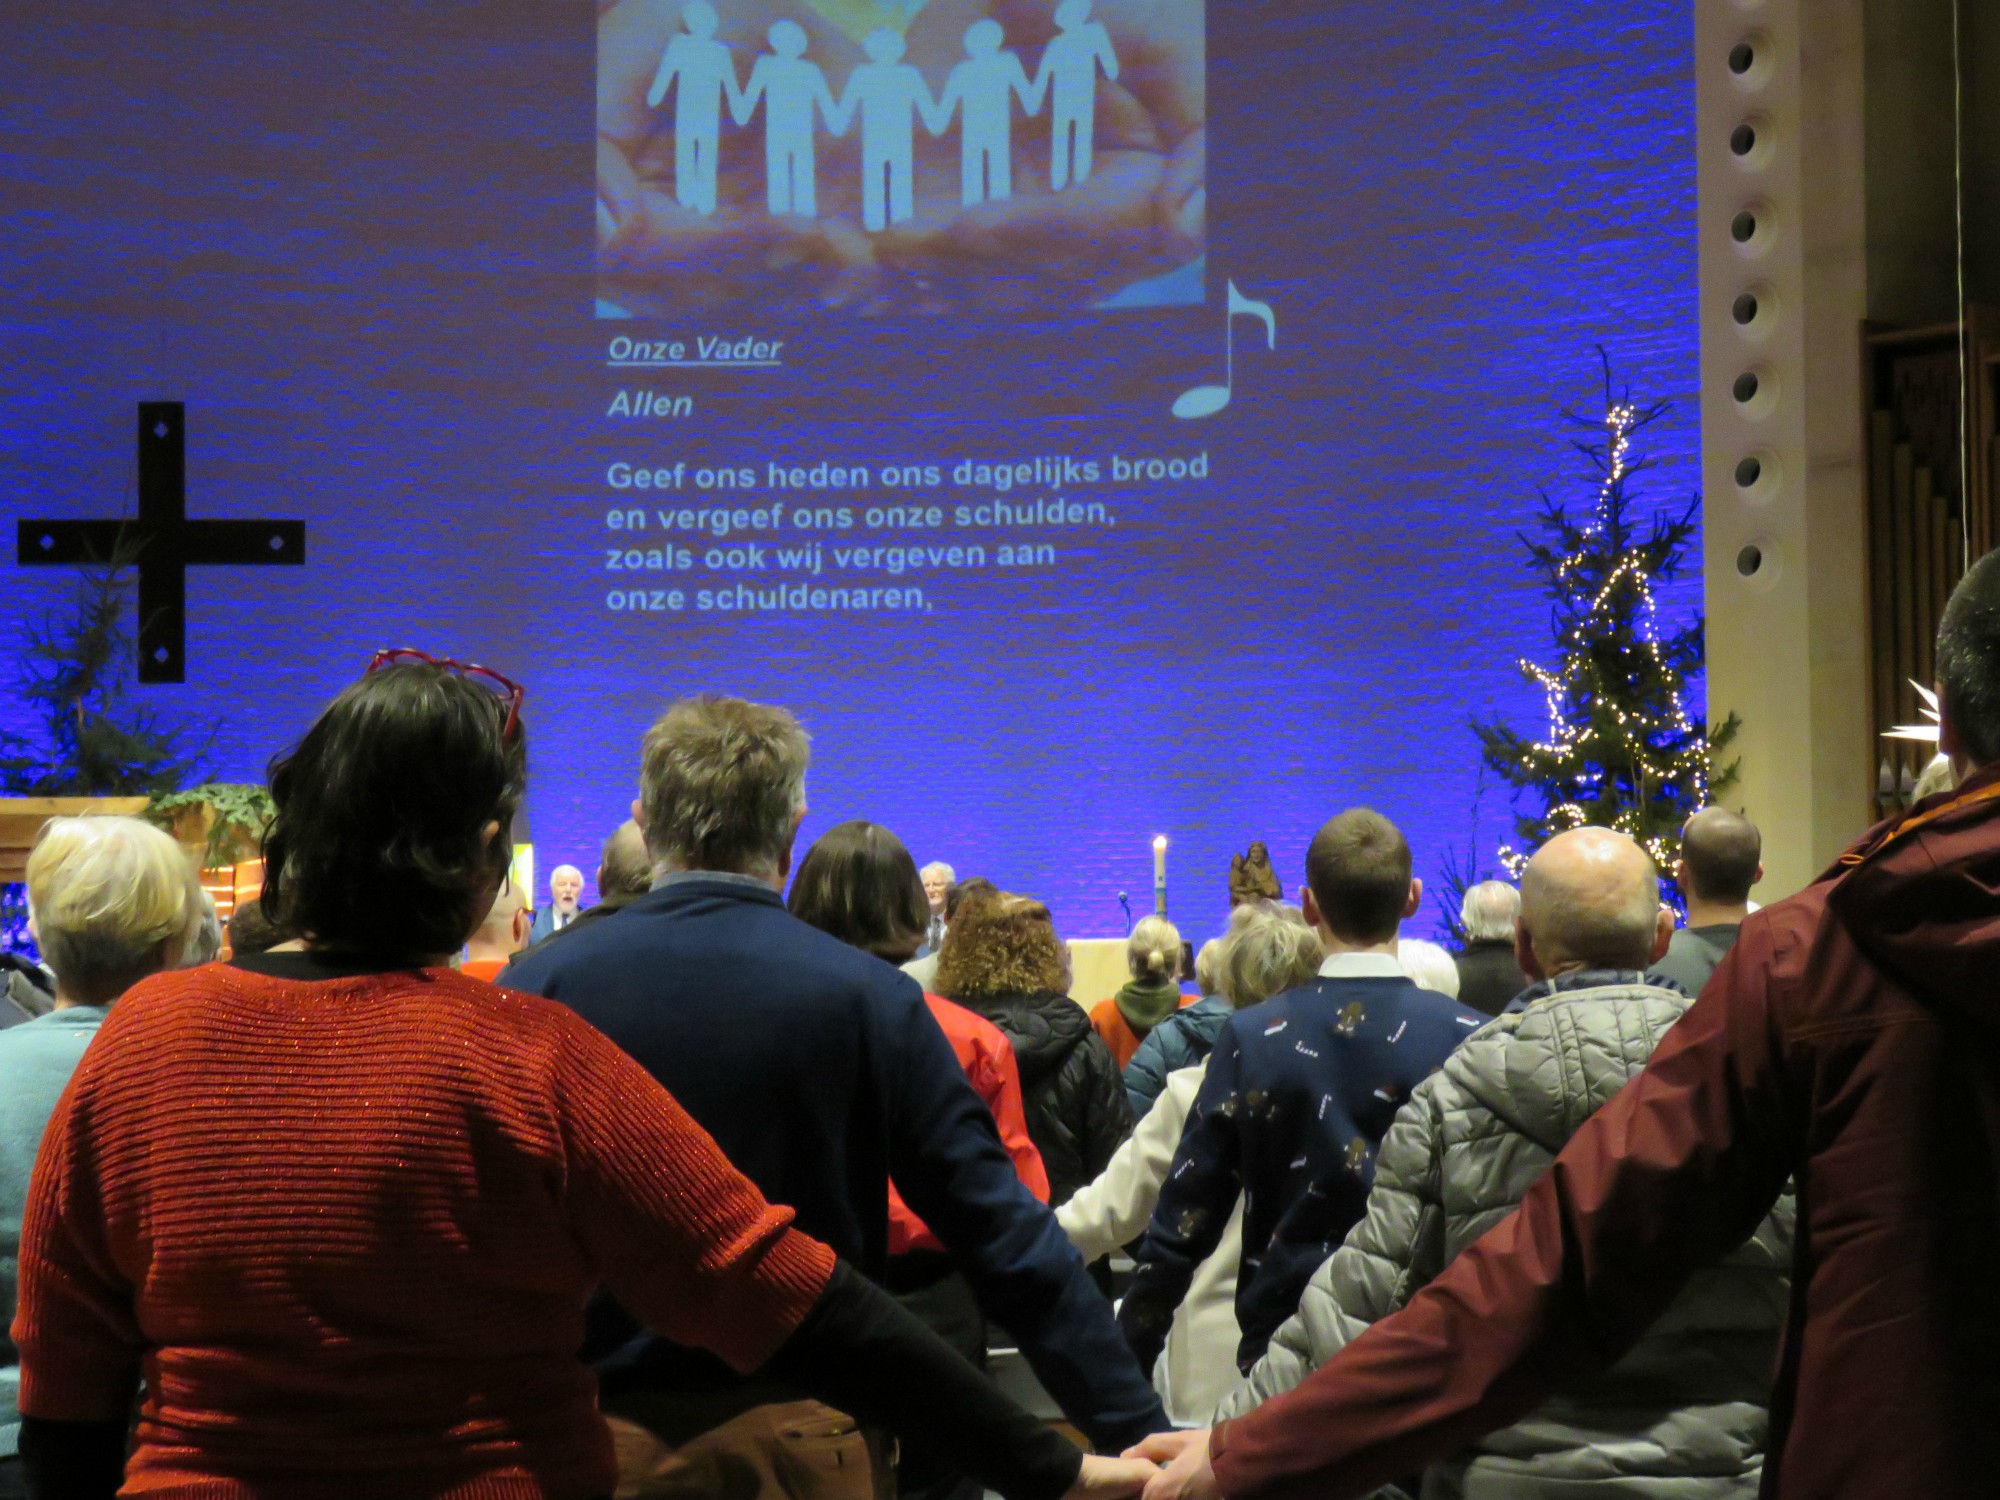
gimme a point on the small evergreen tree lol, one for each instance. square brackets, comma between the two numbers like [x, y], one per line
[1622, 749]
[73, 673]
[1459, 870]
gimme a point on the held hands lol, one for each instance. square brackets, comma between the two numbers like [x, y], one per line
[1187, 1474]
[1106, 1478]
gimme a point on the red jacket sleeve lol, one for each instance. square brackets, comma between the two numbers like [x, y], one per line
[987, 1058]
[1674, 1172]
[998, 1082]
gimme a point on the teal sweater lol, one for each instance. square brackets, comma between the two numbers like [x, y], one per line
[36, 1059]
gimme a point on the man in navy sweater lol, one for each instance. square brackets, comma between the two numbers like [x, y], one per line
[818, 1070]
[1299, 1093]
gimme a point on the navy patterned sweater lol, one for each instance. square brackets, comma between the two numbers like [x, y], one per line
[1299, 1093]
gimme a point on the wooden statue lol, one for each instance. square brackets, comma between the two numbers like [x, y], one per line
[1251, 877]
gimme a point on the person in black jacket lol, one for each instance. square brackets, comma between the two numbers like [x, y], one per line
[1002, 960]
[1489, 976]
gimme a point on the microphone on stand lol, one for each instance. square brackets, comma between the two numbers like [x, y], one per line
[1122, 901]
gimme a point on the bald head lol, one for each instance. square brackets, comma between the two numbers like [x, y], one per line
[505, 930]
[1720, 857]
[1590, 899]
[625, 869]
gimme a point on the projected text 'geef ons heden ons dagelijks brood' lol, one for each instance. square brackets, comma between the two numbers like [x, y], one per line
[787, 535]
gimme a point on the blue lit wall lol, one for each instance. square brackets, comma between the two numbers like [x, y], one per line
[357, 241]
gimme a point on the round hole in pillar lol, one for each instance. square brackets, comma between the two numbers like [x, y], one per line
[1755, 393]
[1760, 562]
[1749, 62]
[1755, 225]
[1750, 142]
[1756, 475]
[1754, 311]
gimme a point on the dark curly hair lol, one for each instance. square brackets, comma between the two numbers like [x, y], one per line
[859, 883]
[379, 846]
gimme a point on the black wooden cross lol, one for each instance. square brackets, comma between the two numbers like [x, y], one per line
[163, 541]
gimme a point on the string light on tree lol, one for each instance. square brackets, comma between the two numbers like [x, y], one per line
[1622, 748]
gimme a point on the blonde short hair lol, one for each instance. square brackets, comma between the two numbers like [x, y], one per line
[1269, 950]
[1429, 966]
[1153, 951]
[722, 782]
[1204, 965]
[112, 900]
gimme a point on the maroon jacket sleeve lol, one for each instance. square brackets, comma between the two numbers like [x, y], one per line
[1674, 1172]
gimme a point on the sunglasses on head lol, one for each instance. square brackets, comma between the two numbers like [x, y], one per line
[506, 687]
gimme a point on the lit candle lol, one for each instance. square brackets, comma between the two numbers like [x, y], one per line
[1160, 875]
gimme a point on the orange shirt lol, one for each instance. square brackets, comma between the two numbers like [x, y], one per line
[346, 1229]
[1109, 1022]
[487, 969]
[988, 1059]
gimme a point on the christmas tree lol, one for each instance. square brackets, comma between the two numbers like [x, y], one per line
[1622, 749]
[72, 673]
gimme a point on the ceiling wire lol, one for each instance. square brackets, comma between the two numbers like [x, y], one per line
[1964, 319]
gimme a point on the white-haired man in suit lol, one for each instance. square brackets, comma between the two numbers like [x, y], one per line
[565, 891]
[938, 878]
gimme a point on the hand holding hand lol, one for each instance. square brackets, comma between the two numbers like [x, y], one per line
[1104, 1478]
[1187, 1475]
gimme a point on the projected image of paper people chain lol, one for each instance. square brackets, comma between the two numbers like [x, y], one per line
[889, 93]
[901, 155]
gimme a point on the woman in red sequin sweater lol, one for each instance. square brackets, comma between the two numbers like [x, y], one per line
[340, 1207]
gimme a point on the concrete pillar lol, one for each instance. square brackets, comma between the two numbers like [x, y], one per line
[1783, 287]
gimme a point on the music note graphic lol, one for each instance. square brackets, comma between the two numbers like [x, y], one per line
[1207, 400]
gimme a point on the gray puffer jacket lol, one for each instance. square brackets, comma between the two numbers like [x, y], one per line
[1683, 1415]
